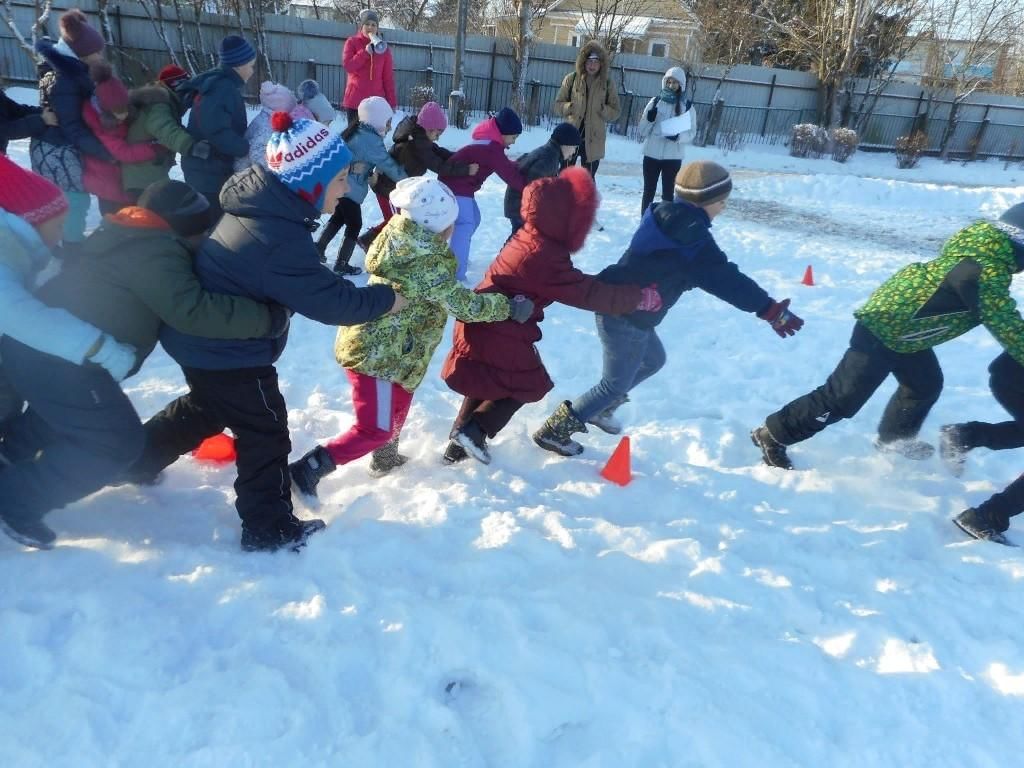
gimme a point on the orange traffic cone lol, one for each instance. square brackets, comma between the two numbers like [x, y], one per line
[617, 469]
[219, 449]
[808, 276]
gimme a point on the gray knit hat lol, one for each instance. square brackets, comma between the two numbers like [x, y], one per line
[703, 182]
[366, 15]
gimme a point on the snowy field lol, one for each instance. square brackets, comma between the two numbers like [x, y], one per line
[715, 612]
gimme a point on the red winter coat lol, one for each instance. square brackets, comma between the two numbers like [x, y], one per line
[367, 74]
[491, 361]
[101, 178]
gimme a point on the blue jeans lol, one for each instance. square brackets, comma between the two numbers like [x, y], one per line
[631, 355]
[466, 224]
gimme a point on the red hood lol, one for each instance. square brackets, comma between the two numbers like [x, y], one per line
[489, 130]
[562, 208]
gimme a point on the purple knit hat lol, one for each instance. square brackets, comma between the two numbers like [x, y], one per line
[432, 117]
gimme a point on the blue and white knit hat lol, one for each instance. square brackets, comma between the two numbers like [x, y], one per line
[306, 156]
[235, 51]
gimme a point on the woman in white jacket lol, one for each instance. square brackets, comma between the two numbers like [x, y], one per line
[663, 154]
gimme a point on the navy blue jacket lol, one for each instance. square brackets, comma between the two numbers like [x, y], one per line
[64, 87]
[673, 248]
[18, 121]
[263, 248]
[218, 115]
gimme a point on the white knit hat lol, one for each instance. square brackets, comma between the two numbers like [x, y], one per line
[376, 112]
[426, 201]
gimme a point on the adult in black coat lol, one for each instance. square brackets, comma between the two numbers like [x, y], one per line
[218, 116]
[546, 160]
[20, 121]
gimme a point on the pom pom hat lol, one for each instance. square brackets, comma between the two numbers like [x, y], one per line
[306, 156]
[80, 36]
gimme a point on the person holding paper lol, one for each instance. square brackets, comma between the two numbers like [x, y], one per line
[663, 124]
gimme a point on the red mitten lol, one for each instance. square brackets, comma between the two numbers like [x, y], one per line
[650, 299]
[782, 321]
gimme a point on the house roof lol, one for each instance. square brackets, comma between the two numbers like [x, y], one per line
[636, 27]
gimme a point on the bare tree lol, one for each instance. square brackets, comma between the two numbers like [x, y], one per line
[731, 32]
[519, 21]
[608, 21]
[42, 15]
[410, 15]
[969, 41]
[155, 13]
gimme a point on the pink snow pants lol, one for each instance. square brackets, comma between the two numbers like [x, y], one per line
[381, 408]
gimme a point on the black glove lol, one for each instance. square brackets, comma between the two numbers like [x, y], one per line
[201, 150]
[280, 318]
[521, 309]
[688, 104]
[782, 321]
[672, 138]
[652, 114]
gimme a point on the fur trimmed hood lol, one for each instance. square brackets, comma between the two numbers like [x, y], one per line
[563, 207]
[154, 93]
[581, 58]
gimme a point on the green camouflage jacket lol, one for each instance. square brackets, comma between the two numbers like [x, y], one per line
[420, 266]
[924, 305]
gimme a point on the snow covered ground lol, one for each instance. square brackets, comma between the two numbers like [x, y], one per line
[714, 612]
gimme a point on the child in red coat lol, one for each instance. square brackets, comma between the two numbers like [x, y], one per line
[107, 114]
[496, 366]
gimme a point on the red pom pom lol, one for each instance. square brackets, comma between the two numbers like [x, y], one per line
[281, 121]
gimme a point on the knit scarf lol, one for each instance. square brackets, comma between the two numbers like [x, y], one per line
[668, 95]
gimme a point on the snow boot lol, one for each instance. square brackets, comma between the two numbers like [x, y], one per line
[773, 453]
[917, 450]
[341, 265]
[473, 441]
[29, 531]
[308, 471]
[291, 533]
[556, 433]
[606, 421]
[331, 229]
[454, 453]
[978, 525]
[386, 458]
[953, 447]
[366, 239]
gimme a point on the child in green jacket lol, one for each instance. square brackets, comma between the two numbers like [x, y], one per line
[387, 358]
[915, 310]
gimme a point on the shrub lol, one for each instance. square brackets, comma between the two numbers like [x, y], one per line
[420, 95]
[730, 141]
[910, 148]
[807, 140]
[844, 144]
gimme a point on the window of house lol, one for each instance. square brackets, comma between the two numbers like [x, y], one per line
[659, 48]
[575, 41]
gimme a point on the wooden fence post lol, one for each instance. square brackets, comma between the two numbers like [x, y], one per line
[490, 81]
[767, 107]
[533, 111]
[976, 141]
[311, 69]
[713, 123]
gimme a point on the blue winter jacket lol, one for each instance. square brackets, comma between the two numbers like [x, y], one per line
[263, 248]
[218, 116]
[368, 148]
[64, 87]
[673, 248]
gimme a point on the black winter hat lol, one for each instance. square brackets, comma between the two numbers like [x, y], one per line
[508, 122]
[185, 210]
[566, 135]
[1012, 223]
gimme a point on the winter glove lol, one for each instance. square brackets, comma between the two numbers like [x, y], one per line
[521, 309]
[650, 299]
[688, 104]
[201, 150]
[782, 321]
[652, 114]
[113, 356]
[280, 318]
[672, 138]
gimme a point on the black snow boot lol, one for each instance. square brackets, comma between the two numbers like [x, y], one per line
[454, 453]
[917, 450]
[386, 458]
[953, 447]
[331, 228]
[291, 533]
[29, 531]
[606, 421]
[473, 441]
[773, 453]
[975, 523]
[556, 433]
[310, 469]
[341, 265]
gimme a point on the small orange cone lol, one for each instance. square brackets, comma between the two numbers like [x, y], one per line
[617, 469]
[808, 276]
[219, 449]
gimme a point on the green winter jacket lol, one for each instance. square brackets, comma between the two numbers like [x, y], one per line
[924, 305]
[420, 266]
[159, 120]
[132, 275]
